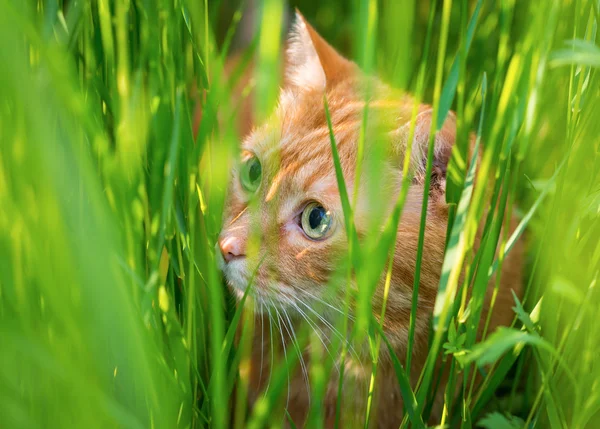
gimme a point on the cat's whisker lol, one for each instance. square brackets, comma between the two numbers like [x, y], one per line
[262, 342]
[271, 343]
[300, 354]
[343, 313]
[318, 331]
[323, 320]
[316, 298]
[337, 333]
[284, 353]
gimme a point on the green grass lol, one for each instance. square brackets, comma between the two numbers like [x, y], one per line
[112, 310]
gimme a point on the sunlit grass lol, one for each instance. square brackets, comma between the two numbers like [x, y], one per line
[112, 310]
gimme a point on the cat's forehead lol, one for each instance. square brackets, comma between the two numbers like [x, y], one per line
[294, 145]
[299, 130]
[298, 161]
[294, 151]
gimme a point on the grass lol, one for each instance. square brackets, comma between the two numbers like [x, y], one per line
[112, 310]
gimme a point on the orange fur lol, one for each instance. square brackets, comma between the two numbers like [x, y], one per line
[297, 167]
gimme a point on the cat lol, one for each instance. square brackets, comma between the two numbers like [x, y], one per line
[285, 189]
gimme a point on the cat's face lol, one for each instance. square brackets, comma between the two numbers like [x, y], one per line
[283, 227]
[284, 200]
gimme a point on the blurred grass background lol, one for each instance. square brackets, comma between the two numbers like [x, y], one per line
[112, 312]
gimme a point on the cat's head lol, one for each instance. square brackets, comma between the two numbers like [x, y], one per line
[283, 226]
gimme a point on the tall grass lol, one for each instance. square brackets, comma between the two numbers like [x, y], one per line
[112, 310]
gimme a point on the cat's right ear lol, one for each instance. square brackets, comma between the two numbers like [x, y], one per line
[311, 62]
[442, 149]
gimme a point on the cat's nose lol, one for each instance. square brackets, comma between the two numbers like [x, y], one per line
[231, 247]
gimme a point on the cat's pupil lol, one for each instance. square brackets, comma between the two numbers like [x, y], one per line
[316, 217]
[254, 171]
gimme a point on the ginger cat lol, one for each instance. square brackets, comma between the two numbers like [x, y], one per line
[285, 190]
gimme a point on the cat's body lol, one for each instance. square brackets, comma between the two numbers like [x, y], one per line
[287, 168]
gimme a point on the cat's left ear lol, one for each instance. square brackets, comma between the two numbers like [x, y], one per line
[311, 62]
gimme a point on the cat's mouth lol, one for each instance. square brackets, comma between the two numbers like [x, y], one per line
[238, 276]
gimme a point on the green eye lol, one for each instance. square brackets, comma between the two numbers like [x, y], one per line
[316, 221]
[250, 174]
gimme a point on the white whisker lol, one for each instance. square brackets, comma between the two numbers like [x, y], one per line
[335, 331]
[262, 342]
[299, 352]
[284, 353]
[316, 330]
[316, 298]
[269, 318]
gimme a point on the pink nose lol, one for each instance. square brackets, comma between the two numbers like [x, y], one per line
[231, 248]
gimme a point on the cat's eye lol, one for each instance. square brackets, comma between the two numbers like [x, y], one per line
[316, 220]
[250, 174]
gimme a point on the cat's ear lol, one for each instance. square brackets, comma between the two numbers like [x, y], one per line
[442, 149]
[311, 62]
